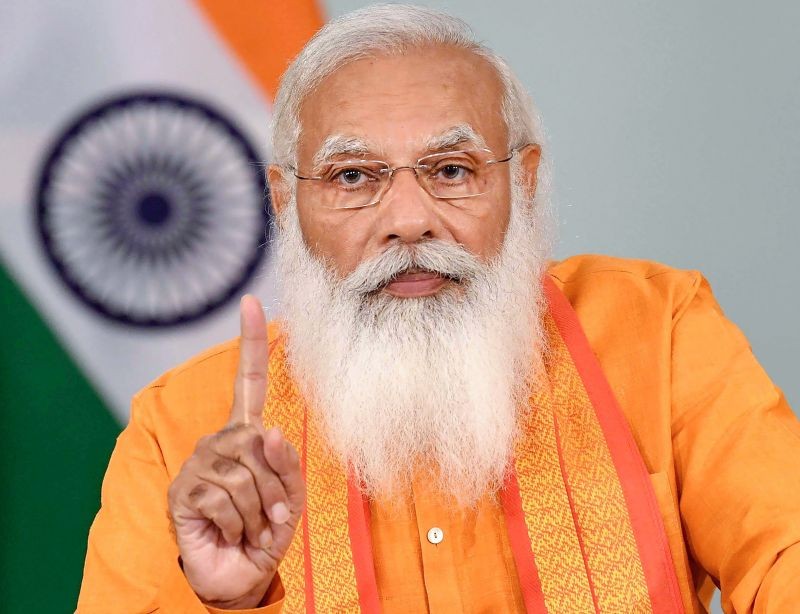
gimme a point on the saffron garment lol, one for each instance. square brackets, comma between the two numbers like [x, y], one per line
[581, 516]
[718, 441]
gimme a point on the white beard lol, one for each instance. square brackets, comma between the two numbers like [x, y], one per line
[437, 384]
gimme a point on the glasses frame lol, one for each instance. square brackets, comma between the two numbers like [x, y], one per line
[390, 170]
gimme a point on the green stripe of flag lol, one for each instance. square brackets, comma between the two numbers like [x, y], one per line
[56, 436]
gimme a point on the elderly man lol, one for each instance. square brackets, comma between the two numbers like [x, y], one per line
[443, 420]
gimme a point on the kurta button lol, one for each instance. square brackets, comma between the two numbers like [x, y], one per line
[435, 535]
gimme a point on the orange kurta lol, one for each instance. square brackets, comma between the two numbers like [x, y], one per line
[720, 443]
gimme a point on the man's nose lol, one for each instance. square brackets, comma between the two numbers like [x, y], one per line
[409, 212]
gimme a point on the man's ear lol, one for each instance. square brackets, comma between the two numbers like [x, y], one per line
[531, 157]
[279, 190]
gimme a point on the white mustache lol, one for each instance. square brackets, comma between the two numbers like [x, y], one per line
[433, 255]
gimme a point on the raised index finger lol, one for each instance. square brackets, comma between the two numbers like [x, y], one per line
[250, 388]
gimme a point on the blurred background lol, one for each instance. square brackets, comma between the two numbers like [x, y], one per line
[133, 210]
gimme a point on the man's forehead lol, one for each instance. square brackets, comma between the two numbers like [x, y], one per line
[402, 105]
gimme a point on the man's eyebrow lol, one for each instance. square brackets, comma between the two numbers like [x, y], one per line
[461, 134]
[340, 145]
[343, 145]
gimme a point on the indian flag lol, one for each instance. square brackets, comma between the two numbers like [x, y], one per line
[133, 214]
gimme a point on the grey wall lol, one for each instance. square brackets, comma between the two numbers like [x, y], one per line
[675, 130]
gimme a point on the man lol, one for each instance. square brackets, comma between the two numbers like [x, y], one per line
[443, 420]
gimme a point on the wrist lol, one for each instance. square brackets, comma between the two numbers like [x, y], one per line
[252, 599]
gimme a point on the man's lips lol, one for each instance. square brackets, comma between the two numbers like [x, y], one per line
[415, 284]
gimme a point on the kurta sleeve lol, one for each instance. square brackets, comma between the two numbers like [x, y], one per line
[737, 453]
[132, 558]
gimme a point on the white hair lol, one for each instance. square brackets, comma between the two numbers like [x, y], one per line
[387, 29]
[443, 378]
[435, 384]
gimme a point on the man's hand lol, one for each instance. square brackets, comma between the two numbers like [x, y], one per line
[238, 499]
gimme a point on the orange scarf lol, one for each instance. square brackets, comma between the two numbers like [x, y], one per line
[582, 517]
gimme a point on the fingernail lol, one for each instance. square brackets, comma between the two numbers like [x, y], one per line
[265, 540]
[279, 513]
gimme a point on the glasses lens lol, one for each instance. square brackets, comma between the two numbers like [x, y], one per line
[351, 184]
[456, 174]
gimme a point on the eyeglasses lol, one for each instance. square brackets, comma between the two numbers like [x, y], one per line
[451, 175]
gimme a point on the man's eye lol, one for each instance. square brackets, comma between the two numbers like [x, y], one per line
[350, 177]
[452, 172]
